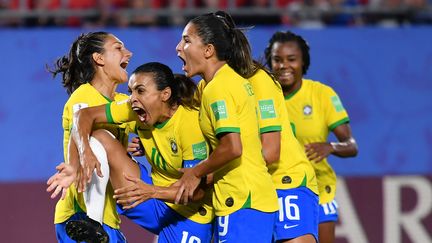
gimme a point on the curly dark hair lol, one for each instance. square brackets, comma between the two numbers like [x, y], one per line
[288, 36]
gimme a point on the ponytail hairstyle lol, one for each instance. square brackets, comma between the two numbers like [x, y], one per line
[230, 42]
[289, 36]
[187, 90]
[182, 88]
[78, 66]
[259, 65]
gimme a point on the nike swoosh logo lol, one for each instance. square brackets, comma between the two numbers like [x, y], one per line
[290, 226]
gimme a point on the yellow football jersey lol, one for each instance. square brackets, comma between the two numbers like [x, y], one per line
[293, 168]
[228, 105]
[316, 109]
[167, 146]
[87, 96]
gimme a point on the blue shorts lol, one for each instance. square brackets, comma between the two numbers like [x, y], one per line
[115, 235]
[328, 212]
[245, 225]
[155, 216]
[297, 215]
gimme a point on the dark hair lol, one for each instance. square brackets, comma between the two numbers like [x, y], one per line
[182, 88]
[287, 37]
[78, 67]
[230, 43]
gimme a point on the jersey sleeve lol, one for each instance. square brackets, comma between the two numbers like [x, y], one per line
[221, 109]
[193, 144]
[74, 104]
[120, 112]
[266, 90]
[66, 124]
[199, 91]
[336, 114]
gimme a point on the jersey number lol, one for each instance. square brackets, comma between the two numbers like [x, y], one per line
[223, 224]
[192, 239]
[288, 208]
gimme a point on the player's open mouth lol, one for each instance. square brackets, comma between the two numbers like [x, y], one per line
[124, 64]
[184, 62]
[142, 114]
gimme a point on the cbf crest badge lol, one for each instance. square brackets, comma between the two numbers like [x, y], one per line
[307, 110]
[173, 144]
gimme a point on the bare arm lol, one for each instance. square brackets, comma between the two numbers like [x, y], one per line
[271, 143]
[140, 191]
[346, 147]
[229, 148]
[84, 120]
[66, 174]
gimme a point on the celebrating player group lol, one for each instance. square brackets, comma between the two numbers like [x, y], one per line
[239, 157]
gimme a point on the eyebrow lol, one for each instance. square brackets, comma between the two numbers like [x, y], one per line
[139, 86]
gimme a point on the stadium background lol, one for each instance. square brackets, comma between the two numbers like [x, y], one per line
[383, 75]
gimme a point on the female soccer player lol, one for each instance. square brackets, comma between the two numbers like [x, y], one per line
[166, 116]
[292, 174]
[244, 196]
[91, 71]
[315, 109]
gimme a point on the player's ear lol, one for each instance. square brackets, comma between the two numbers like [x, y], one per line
[98, 58]
[166, 94]
[209, 51]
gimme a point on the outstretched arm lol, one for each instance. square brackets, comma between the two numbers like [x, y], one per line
[66, 174]
[131, 196]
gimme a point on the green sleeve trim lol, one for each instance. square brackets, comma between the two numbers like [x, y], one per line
[293, 128]
[304, 181]
[108, 113]
[248, 203]
[271, 129]
[338, 123]
[227, 129]
[76, 206]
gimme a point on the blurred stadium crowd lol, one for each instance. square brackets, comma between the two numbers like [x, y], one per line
[301, 13]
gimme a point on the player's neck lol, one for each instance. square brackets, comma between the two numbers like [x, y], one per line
[168, 113]
[288, 90]
[213, 67]
[106, 88]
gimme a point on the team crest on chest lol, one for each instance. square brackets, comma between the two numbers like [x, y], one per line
[307, 110]
[173, 145]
